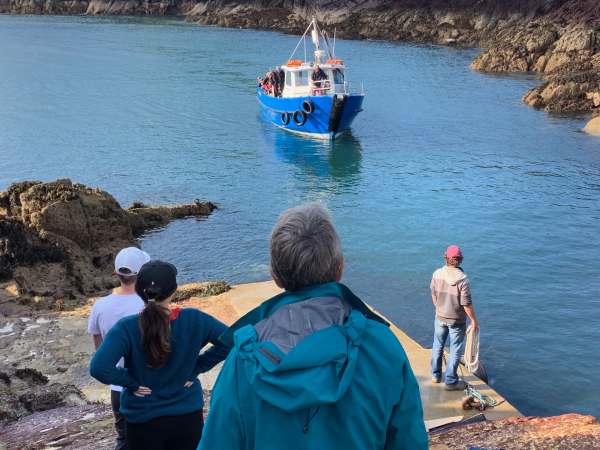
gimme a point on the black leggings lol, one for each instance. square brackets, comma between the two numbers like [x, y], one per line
[166, 433]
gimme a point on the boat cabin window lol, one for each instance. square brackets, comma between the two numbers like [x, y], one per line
[302, 78]
[338, 76]
[288, 79]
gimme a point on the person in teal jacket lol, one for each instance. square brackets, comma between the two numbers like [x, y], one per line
[313, 367]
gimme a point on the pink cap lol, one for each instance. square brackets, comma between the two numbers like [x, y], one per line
[453, 251]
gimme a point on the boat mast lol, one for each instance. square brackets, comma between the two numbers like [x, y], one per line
[316, 41]
[315, 35]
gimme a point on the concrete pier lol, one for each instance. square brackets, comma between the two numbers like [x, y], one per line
[439, 405]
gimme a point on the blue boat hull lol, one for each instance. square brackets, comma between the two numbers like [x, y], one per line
[331, 115]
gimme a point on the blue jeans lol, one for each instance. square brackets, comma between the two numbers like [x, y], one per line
[457, 335]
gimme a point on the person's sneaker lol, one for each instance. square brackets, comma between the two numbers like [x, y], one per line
[436, 380]
[460, 385]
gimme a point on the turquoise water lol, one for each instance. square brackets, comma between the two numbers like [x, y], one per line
[164, 112]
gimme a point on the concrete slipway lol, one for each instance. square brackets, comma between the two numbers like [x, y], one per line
[439, 405]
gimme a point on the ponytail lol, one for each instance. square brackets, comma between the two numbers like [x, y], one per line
[155, 327]
[156, 282]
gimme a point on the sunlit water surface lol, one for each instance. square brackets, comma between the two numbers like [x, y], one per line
[164, 112]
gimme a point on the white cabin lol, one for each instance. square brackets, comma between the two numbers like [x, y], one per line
[298, 79]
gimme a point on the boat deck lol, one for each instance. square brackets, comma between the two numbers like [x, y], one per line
[439, 405]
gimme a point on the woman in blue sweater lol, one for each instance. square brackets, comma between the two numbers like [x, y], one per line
[162, 401]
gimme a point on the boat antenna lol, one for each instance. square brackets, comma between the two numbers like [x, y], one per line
[333, 50]
[315, 33]
[304, 39]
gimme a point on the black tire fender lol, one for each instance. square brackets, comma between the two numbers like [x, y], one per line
[285, 118]
[299, 117]
[308, 106]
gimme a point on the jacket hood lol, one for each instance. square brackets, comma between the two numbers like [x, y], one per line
[317, 370]
[267, 308]
[452, 275]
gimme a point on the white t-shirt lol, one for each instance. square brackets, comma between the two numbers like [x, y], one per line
[107, 311]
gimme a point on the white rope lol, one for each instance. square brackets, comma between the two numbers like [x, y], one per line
[471, 355]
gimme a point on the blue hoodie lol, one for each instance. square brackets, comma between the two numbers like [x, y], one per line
[314, 369]
[191, 330]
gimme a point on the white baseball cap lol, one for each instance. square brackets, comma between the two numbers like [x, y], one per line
[131, 259]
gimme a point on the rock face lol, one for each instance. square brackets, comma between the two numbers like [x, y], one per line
[58, 239]
[569, 431]
[559, 39]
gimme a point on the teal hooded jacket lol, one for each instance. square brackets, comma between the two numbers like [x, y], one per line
[314, 369]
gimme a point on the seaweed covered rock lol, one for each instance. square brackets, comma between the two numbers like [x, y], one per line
[58, 239]
[568, 90]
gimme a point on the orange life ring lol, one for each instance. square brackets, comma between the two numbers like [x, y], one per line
[294, 63]
[337, 62]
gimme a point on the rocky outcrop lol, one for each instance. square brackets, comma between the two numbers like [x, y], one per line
[58, 239]
[569, 431]
[567, 55]
[199, 290]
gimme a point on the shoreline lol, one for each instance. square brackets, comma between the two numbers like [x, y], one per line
[558, 41]
[83, 410]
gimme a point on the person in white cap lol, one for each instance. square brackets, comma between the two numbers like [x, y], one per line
[107, 311]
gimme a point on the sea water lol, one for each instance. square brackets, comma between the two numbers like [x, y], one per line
[164, 112]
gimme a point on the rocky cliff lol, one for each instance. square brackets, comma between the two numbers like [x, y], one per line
[559, 39]
[58, 240]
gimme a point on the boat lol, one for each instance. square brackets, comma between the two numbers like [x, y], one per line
[311, 98]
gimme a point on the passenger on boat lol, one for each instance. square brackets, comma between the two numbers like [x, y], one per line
[451, 296]
[318, 77]
[313, 368]
[281, 74]
[276, 83]
[266, 83]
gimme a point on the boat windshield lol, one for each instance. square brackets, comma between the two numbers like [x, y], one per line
[338, 76]
[302, 78]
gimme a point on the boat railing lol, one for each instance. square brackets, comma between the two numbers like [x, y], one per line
[354, 88]
[323, 87]
[320, 87]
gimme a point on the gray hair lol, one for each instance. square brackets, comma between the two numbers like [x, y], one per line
[305, 248]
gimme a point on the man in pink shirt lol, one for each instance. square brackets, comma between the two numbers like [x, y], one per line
[451, 296]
